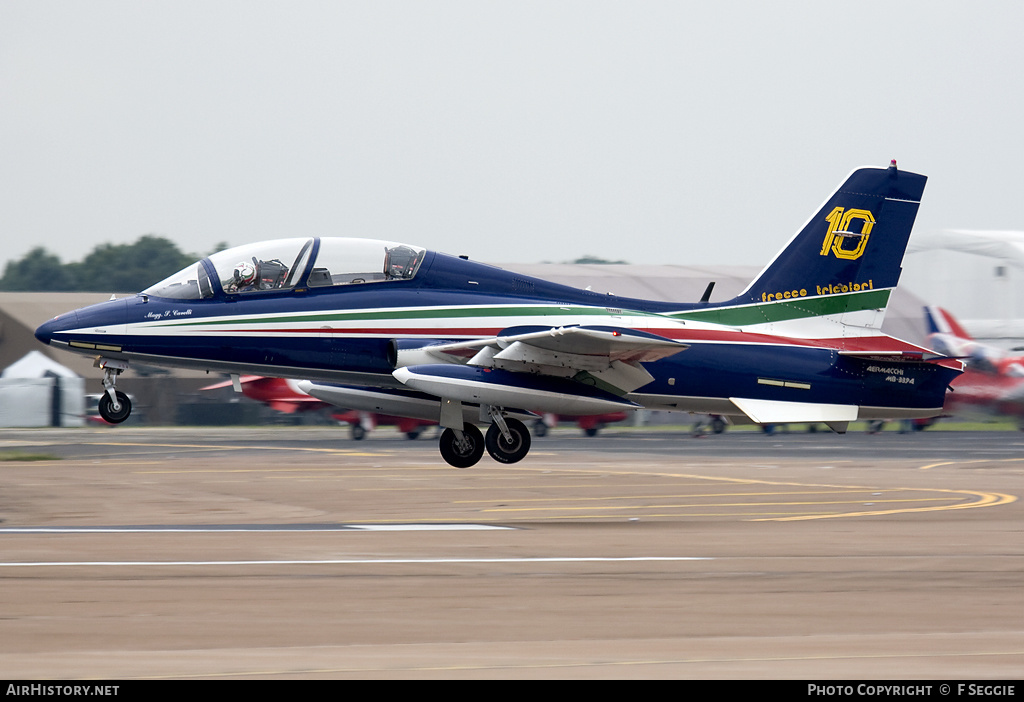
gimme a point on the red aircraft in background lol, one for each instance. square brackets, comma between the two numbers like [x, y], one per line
[285, 395]
[993, 381]
[590, 424]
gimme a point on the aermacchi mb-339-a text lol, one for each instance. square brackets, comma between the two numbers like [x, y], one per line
[398, 329]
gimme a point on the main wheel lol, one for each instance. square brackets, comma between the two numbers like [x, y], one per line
[505, 451]
[357, 432]
[465, 453]
[115, 414]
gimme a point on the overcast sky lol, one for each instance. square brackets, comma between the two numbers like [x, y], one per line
[655, 132]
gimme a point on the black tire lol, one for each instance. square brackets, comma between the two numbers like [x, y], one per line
[508, 451]
[115, 416]
[414, 434]
[591, 431]
[540, 428]
[462, 456]
[357, 432]
[717, 425]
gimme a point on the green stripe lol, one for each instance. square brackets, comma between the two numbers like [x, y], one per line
[739, 316]
[767, 312]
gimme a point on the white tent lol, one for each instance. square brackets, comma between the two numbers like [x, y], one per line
[36, 391]
[36, 364]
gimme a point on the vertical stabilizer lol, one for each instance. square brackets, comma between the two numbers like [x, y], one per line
[841, 266]
[940, 321]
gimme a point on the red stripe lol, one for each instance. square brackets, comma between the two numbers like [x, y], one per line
[381, 331]
[865, 345]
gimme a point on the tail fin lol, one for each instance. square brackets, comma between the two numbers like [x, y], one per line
[845, 261]
[939, 321]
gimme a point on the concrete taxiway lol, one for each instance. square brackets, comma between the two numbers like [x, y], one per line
[296, 553]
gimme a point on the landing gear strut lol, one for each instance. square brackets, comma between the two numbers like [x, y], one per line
[114, 405]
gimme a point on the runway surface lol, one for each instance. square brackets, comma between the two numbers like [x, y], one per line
[297, 553]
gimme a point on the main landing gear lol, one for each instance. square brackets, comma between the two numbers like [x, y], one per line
[507, 441]
[464, 448]
[114, 405]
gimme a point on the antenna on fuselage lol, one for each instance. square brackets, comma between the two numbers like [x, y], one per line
[707, 292]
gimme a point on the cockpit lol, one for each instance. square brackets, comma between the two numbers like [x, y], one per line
[286, 264]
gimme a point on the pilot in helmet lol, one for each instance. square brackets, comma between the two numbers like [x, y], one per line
[244, 276]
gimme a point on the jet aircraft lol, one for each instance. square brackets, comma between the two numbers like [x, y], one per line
[993, 381]
[402, 330]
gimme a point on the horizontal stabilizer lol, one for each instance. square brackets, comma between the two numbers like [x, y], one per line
[889, 355]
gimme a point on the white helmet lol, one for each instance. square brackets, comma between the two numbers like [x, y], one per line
[245, 274]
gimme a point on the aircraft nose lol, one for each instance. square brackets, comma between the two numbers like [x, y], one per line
[46, 330]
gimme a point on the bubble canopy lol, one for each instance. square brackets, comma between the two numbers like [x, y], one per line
[286, 264]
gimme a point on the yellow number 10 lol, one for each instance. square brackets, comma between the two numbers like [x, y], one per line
[838, 232]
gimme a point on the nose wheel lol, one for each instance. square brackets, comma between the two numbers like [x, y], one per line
[114, 405]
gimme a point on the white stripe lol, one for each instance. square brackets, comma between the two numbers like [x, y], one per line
[297, 528]
[363, 561]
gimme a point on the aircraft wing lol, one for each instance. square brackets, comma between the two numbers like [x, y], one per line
[567, 370]
[548, 344]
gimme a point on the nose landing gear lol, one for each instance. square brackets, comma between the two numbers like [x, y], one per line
[114, 405]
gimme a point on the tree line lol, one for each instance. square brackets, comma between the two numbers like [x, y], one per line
[115, 268]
